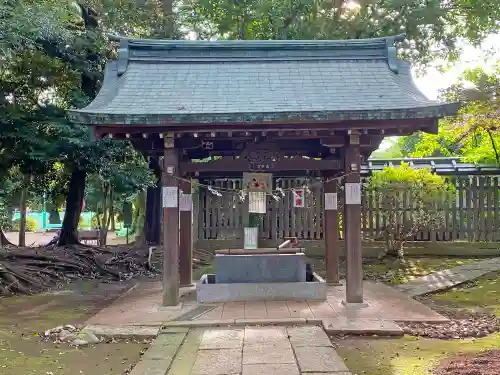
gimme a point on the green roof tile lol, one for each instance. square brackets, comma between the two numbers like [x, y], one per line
[156, 82]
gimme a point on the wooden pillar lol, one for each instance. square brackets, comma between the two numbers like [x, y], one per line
[170, 204]
[331, 230]
[185, 240]
[352, 220]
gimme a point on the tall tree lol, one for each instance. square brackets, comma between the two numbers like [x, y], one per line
[475, 132]
[433, 27]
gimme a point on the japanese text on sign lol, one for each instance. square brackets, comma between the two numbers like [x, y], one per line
[170, 196]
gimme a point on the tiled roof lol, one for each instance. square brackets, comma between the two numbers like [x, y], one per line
[249, 81]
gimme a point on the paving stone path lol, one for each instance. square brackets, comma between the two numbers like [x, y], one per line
[301, 350]
[449, 278]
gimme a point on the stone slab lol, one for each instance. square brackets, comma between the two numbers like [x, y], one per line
[299, 291]
[260, 268]
[265, 335]
[266, 353]
[217, 362]
[126, 331]
[271, 369]
[222, 339]
[186, 356]
[271, 321]
[151, 367]
[160, 355]
[360, 326]
[446, 279]
[319, 359]
[199, 323]
[308, 336]
[164, 346]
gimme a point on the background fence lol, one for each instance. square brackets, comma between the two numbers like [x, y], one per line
[473, 214]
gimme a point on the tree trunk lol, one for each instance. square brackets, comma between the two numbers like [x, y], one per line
[105, 216]
[74, 202]
[3, 240]
[168, 16]
[112, 211]
[22, 206]
[139, 219]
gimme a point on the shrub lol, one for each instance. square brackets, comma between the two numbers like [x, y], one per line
[94, 223]
[410, 200]
[30, 225]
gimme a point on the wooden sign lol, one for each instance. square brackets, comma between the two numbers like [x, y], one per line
[352, 193]
[170, 195]
[185, 202]
[298, 198]
[331, 201]
[257, 202]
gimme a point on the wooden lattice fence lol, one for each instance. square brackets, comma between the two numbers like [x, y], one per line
[473, 214]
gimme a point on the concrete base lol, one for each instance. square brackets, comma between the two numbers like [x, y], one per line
[353, 306]
[292, 291]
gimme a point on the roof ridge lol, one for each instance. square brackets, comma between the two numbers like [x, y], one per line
[194, 50]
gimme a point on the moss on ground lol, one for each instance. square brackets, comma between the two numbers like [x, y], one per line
[405, 356]
[481, 295]
[396, 272]
[22, 318]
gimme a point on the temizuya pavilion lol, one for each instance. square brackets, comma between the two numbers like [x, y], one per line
[288, 107]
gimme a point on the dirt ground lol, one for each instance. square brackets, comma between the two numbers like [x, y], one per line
[480, 364]
[23, 318]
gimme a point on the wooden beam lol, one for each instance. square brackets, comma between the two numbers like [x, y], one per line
[415, 124]
[242, 165]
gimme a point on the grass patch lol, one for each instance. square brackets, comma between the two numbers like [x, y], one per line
[481, 295]
[405, 356]
[22, 318]
[396, 272]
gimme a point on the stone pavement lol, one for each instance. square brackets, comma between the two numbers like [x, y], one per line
[142, 307]
[304, 350]
[382, 302]
[449, 278]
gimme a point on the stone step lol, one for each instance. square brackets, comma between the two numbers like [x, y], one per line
[361, 326]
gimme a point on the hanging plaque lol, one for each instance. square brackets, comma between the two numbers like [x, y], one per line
[251, 238]
[298, 198]
[331, 202]
[170, 195]
[257, 202]
[185, 202]
[352, 193]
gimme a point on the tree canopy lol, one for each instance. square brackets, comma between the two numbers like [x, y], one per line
[53, 53]
[475, 133]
